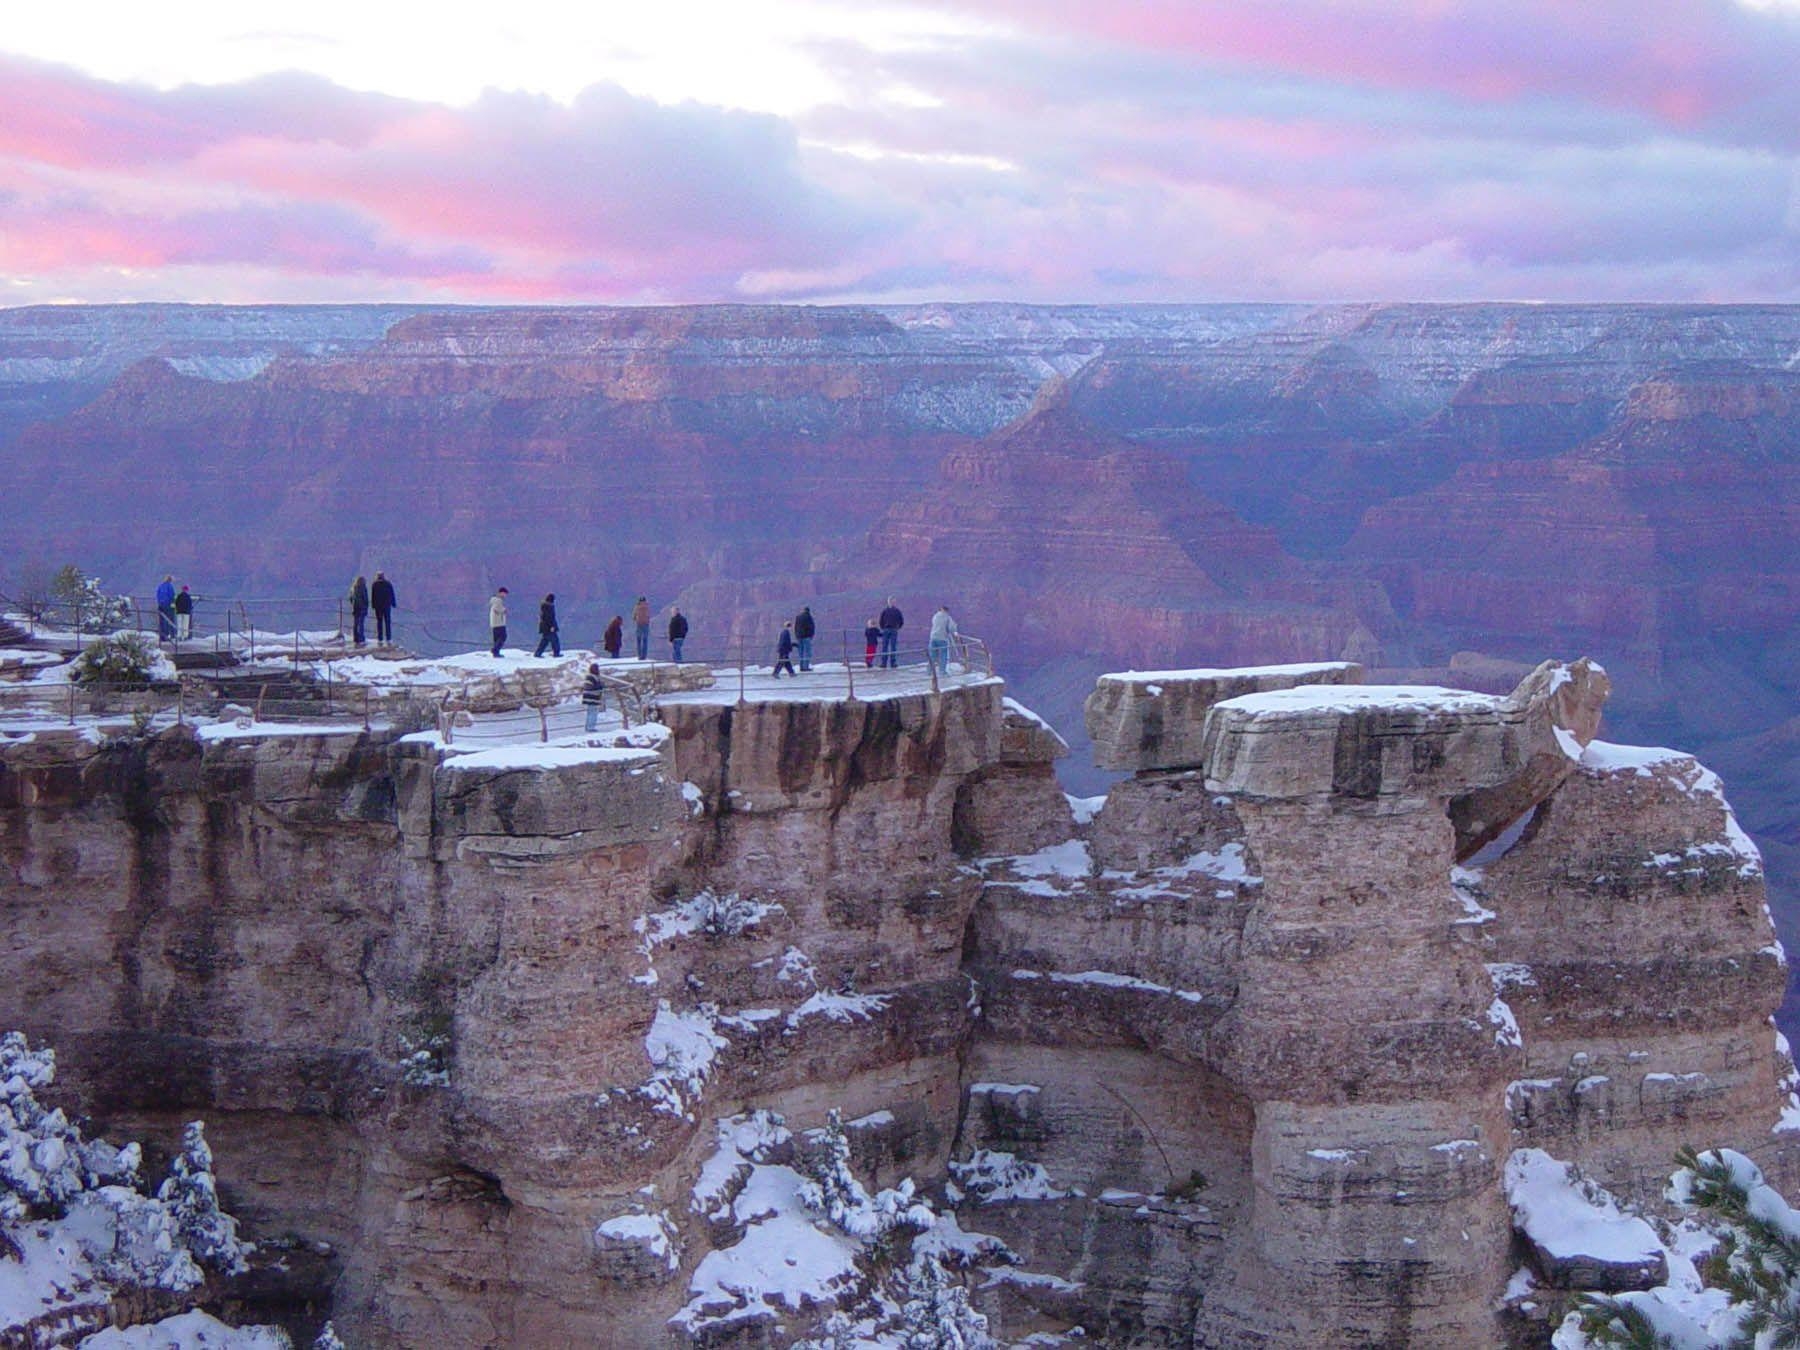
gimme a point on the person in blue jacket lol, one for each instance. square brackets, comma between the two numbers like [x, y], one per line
[165, 608]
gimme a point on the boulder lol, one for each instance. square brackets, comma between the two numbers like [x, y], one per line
[1394, 744]
[1153, 719]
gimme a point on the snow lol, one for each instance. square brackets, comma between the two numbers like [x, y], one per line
[1085, 808]
[1003, 1089]
[543, 756]
[1604, 757]
[1568, 744]
[1569, 1219]
[1351, 698]
[188, 1331]
[1012, 705]
[1789, 1120]
[1334, 1154]
[1506, 1026]
[839, 1007]
[1155, 677]
[1465, 889]
[653, 1232]
[682, 1047]
[1506, 974]
[1111, 980]
[827, 683]
[992, 1176]
[1227, 865]
[85, 1231]
[231, 731]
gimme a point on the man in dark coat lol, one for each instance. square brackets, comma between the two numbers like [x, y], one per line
[381, 597]
[784, 651]
[678, 626]
[614, 639]
[892, 621]
[804, 628]
[548, 634]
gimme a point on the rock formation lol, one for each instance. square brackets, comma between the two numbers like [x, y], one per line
[660, 1036]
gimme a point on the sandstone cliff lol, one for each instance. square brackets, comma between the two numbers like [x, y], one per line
[548, 1044]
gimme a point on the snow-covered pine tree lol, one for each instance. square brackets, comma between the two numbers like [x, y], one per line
[937, 1314]
[831, 1189]
[192, 1196]
[1756, 1262]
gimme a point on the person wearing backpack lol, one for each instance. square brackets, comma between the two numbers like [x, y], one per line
[678, 631]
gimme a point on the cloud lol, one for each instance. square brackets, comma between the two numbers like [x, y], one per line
[611, 196]
[1056, 150]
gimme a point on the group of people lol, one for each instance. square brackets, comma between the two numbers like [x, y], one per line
[612, 640]
[174, 611]
[378, 597]
[881, 640]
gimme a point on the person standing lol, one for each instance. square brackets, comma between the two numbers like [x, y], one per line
[165, 608]
[184, 614]
[871, 641]
[804, 628]
[614, 640]
[593, 696]
[784, 651]
[549, 635]
[381, 596]
[640, 616]
[943, 632]
[678, 630]
[359, 610]
[892, 621]
[497, 618]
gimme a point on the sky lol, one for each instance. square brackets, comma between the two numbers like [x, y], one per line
[873, 151]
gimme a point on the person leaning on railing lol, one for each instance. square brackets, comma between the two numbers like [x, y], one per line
[593, 697]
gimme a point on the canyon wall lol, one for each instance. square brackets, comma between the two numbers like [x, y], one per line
[1431, 491]
[534, 1045]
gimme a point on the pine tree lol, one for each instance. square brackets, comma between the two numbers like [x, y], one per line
[193, 1198]
[1756, 1261]
[937, 1314]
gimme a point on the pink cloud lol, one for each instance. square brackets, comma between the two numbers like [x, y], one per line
[1684, 62]
[1168, 150]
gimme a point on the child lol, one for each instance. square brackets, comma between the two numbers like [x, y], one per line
[871, 641]
[784, 652]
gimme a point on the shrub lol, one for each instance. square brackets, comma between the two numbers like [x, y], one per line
[128, 659]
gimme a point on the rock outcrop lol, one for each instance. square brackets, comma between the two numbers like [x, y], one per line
[680, 1035]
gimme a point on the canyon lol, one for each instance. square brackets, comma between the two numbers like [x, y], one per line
[1440, 492]
[556, 1042]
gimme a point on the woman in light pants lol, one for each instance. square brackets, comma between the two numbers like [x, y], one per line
[943, 630]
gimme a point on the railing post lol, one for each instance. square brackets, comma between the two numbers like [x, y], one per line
[249, 629]
[262, 691]
[180, 703]
[931, 665]
[365, 707]
[543, 724]
[71, 702]
[740, 670]
[849, 670]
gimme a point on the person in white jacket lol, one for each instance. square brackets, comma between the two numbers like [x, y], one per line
[497, 618]
[943, 631]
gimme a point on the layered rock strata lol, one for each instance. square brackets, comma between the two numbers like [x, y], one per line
[533, 1037]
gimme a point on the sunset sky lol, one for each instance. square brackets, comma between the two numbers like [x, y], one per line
[829, 150]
